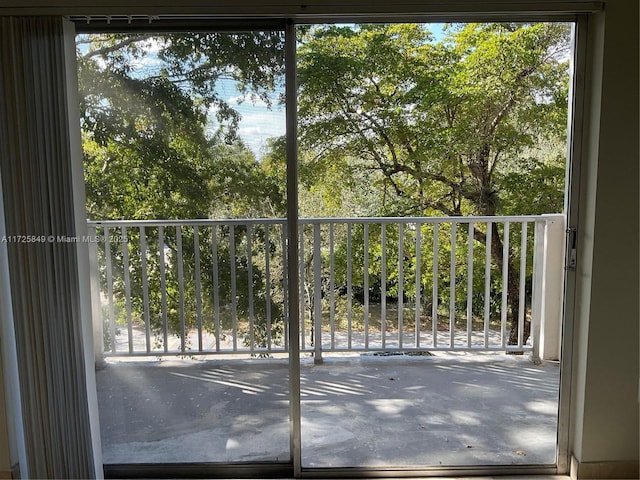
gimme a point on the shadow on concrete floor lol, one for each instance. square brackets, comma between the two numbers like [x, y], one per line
[441, 410]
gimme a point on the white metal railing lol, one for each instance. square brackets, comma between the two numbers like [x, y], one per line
[191, 287]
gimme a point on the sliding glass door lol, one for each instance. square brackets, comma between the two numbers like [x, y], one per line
[431, 198]
[185, 197]
[378, 288]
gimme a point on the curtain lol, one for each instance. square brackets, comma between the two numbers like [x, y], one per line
[38, 194]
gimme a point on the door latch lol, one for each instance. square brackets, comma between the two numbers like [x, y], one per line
[572, 241]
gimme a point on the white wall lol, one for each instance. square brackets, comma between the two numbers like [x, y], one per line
[605, 395]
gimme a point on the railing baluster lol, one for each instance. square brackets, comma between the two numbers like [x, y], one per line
[317, 295]
[250, 287]
[349, 287]
[366, 286]
[234, 293]
[505, 285]
[418, 281]
[523, 268]
[285, 284]
[303, 300]
[400, 282]
[452, 285]
[383, 285]
[537, 300]
[216, 287]
[109, 267]
[332, 286]
[487, 283]
[124, 241]
[183, 327]
[163, 289]
[267, 274]
[145, 288]
[434, 304]
[470, 285]
[97, 321]
[196, 251]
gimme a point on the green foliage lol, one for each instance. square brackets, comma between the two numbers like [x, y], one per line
[473, 124]
[147, 102]
[145, 108]
[391, 121]
[437, 125]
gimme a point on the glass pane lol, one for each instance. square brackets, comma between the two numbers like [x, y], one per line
[428, 155]
[187, 210]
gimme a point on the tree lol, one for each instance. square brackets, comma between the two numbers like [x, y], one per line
[147, 105]
[392, 122]
[447, 127]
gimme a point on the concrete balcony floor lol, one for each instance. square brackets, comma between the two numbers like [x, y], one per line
[443, 410]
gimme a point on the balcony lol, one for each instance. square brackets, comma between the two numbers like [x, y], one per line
[213, 293]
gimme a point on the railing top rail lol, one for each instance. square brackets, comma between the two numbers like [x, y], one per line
[194, 222]
[405, 220]
[325, 220]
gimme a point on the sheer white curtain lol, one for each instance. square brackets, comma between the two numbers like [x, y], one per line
[37, 147]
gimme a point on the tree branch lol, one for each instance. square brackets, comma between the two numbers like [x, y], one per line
[115, 47]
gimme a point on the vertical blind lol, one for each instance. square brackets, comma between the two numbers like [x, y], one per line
[35, 166]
